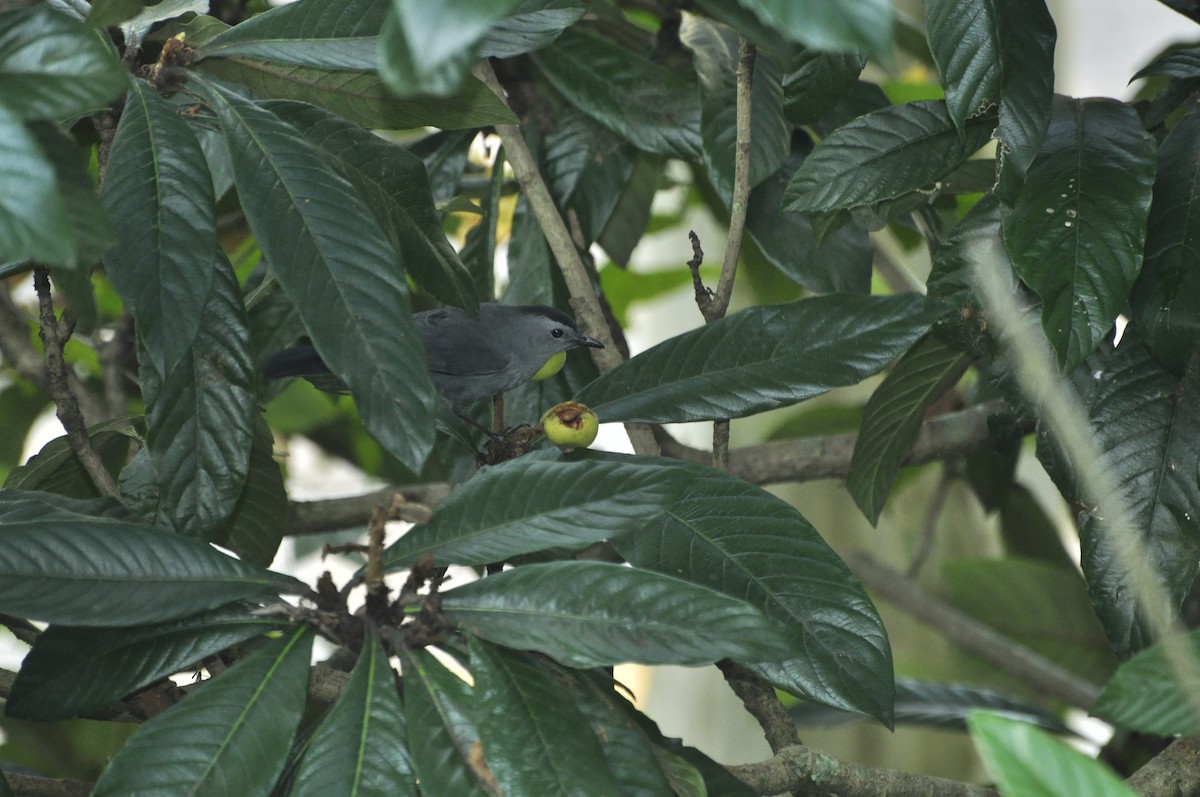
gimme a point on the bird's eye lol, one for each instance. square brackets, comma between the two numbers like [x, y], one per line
[556, 332]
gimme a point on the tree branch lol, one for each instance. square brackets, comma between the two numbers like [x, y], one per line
[54, 334]
[807, 771]
[763, 704]
[336, 514]
[828, 457]
[1036, 671]
[741, 183]
[1175, 772]
[37, 786]
[588, 312]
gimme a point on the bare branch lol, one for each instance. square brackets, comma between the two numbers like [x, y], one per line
[763, 704]
[811, 772]
[54, 334]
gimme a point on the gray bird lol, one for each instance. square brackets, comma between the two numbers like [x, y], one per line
[472, 358]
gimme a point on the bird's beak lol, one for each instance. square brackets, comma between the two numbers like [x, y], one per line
[591, 343]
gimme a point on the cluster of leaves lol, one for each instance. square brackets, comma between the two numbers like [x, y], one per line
[270, 120]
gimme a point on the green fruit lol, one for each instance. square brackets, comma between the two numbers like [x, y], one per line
[570, 425]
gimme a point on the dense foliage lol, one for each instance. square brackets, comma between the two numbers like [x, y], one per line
[195, 189]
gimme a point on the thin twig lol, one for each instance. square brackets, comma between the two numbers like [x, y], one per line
[937, 502]
[1036, 671]
[741, 180]
[54, 334]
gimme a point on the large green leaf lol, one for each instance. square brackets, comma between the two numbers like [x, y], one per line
[649, 106]
[991, 52]
[596, 614]
[815, 81]
[586, 168]
[360, 96]
[893, 417]
[634, 758]
[396, 188]
[90, 228]
[1146, 694]
[883, 155]
[238, 726]
[61, 565]
[334, 34]
[259, 518]
[56, 467]
[358, 749]
[536, 502]
[864, 25]
[760, 359]
[54, 67]
[158, 181]
[420, 53]
[1028, 762]
[715, 49]
[1147, 425]
[531, 26]
[442, 734]
[34, 223]
[200, 415]
[534, 739]
[71, 671]
[739, 539]
[839, 262]
[338, 268]
[1076, 231]
[1166, 297]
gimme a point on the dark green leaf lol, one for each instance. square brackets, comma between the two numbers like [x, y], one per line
[20, 406]
[441, 727]
[445, 156]
[338, 268]
[629, 219]
[990, 53]
[396, 188]
[596, 614]
[54, 67]
[72, 671]
[238, 726]
[893, 417]
[360, 96]
[1029, 762]
[536, 502]
[1148, 427]
[634, 759]
[333, 34]
[651, 107]
[531, 26]
[57, 469]
[883, 155]
[91, 230]
[534, 738]
[1075, 234]
[421, 54]
[358, 749]
[1146, 694]
[1166, 296]
[939, 705]
[864, 25]
[1029, 531]
[586, 168]
[200, 416]
[112, 12]
[1183, 63]
[736, 538]
[815, 81]
[715, 48]
[159, 194]
[256, 526]
[63, 566]
[760, 358]
[34, 222]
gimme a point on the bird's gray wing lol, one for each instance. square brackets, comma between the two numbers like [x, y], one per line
[458, 345]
